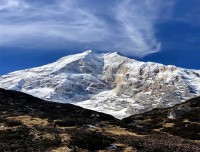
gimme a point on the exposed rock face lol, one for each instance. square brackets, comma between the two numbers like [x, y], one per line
[108, 82]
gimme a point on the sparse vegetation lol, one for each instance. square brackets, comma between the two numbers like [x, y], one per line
[159, 143]
[21, 139]
[31, 124]
[90, 140]
[12, 123]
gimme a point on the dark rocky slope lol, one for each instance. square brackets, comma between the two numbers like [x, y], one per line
[181, 120]
[31, 124]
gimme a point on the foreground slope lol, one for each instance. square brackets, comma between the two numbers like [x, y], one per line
[107, 82]
[180, 120]
[31, 124]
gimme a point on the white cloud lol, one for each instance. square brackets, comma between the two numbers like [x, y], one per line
[126, 26]
[137, 20]
[12, 4]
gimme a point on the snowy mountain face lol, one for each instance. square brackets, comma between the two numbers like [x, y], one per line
[107, 82]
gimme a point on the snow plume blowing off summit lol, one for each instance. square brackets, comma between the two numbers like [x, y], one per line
[127, 26]
[107, 82]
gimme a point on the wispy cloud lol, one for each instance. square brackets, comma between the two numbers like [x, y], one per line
[11, 4]
[127, 26]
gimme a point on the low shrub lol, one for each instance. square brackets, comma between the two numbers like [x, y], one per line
[90, 140]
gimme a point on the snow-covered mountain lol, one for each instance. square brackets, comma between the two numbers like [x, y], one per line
[107, 82]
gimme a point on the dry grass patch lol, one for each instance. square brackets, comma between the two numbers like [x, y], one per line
[121, 131]
[64, 137]
[130, 149]
[61, 149]
[44, 136]
[186, 120]
[168, 125]
[30, 121]
[158, 130]
[2, 126]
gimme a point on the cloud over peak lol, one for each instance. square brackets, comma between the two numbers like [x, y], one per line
[127, 26]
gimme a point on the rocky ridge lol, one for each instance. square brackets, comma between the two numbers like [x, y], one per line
[107, 82]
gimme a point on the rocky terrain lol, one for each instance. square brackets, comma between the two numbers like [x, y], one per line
[107, 82]
[30, 124]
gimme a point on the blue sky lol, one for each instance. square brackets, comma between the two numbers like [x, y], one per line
[36, 32]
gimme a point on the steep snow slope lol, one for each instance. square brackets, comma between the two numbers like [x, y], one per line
[107, 82]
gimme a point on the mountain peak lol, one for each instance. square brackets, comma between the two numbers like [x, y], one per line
[93, 52]
[88, 51]
[107, 82]
[118, 53]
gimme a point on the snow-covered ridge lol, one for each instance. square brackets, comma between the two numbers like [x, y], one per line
[107, 82]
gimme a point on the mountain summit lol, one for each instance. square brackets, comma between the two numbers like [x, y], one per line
[107, 82]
